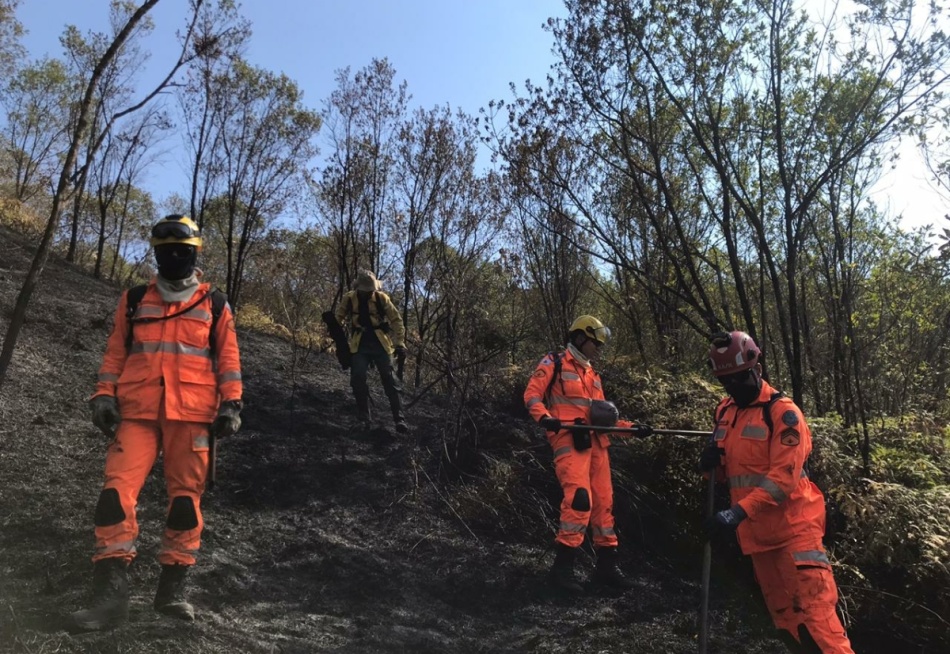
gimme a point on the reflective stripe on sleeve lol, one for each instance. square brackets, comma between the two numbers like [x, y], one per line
[811, 556]
[758, 481]
[234, 375]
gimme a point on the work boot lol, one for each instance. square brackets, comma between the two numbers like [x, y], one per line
[170, 596]
[607, 572]
[110, 590]
[401, 426]
[562, 572]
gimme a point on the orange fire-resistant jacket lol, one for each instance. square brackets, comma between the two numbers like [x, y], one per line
[170, 367]
[571, 395]
[766, 475]
[348, 312]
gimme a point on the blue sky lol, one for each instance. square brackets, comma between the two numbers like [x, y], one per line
[460, 53]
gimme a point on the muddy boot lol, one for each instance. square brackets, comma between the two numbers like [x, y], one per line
[562, 572]
[607, 572]
[170, 596]
[400, 422]
[110, 604]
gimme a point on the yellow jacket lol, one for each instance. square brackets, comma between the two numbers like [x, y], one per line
[348, 314]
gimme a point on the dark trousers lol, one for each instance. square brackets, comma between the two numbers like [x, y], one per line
[359, 369]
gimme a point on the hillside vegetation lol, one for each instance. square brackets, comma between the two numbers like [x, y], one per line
[321, 538]
[686, 168]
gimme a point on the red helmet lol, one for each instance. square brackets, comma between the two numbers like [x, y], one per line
[732, 352]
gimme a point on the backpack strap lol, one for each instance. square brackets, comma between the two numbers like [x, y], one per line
[380, 310]
[133, 299]
[557, 356]
[767, 410]
[218, 301]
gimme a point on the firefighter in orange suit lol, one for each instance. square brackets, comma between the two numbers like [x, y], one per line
[581, 461]
[161, 388]
[777, 512]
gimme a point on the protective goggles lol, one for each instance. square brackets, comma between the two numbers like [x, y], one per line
[598, 334]
[736, 378]
[172, 229]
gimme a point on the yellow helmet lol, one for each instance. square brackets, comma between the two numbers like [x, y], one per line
[176, 228]
[591, 327]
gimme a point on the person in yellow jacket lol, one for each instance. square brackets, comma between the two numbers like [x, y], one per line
[170, 378]
[376, 333]
[565, 388]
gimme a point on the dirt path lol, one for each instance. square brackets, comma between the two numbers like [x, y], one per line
[319, 538]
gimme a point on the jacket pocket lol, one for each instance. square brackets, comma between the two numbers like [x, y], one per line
[198, 387]
[194, 329]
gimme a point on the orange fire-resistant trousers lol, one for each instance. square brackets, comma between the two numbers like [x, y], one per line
[128, 462]
[801, 595]
[588, 492]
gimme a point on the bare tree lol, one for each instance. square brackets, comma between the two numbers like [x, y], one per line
[263, 143]
[36, 103]
[85, 106]
[362, 117]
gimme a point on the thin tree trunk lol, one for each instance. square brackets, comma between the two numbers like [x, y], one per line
[42, 251]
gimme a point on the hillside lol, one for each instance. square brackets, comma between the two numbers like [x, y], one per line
[319, 538]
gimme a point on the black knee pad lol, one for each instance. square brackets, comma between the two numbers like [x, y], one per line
[182, 515]
[581, 500]
[108, 509]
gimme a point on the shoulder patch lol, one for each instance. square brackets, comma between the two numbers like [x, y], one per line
[538, 373]
[790, 418]
[790, 437]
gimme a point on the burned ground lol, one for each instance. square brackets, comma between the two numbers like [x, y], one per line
[319, 537]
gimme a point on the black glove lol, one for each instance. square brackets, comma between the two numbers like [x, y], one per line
[551, 424]
[725, 521]
[229, 419]
[642, 431]
[105, 413]
[711, 457]
[400, 351]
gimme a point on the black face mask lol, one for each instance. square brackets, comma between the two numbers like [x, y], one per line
[743, 387]
[176, 261]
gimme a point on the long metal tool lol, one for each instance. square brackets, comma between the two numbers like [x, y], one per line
[707, 566]
[212, 460]
[633, 430]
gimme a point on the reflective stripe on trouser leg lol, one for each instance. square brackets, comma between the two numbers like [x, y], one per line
[129, 459]
[602, 505]
[801, 594]
[185, 447]
[573, 473]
